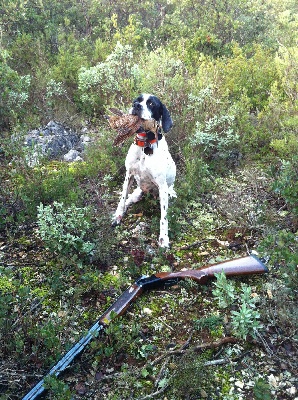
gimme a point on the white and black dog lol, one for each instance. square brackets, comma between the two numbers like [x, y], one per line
[149, 162]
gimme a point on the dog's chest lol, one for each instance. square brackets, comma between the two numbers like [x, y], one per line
[142, 168]
[149, 170]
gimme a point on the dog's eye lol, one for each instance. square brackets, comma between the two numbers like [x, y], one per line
[150, 103]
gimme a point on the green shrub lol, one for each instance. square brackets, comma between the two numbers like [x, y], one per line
[244, 320]
[286, 183]
[14, 90]
[216, 137]
[224, 291]
[251, 74]
[64, 230]
[282, 249]
[45, 184]
[108, 81]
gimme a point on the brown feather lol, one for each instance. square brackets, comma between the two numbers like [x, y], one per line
[116, 111]
[127, 125]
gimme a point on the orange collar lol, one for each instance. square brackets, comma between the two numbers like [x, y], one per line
[142, 141]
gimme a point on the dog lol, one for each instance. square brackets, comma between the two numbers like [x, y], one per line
[149, 162]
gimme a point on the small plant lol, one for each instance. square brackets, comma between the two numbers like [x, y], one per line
[244, 320]
[65, 230]
[58, 389]
[211, 323]
[282, 249]
[262, 390]
[224, 292]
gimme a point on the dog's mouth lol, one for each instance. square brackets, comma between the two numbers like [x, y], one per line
[136, 112]
[141, 114]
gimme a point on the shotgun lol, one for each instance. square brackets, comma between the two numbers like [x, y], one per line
[239, 266]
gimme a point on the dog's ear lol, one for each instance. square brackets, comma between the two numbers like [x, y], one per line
[166, 120]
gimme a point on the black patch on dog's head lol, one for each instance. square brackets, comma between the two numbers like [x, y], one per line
[156, 109]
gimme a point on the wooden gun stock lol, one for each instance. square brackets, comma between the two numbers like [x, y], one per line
[240, 266]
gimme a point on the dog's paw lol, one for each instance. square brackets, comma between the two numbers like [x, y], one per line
[116, 220]
[164, 243]
[172, 192]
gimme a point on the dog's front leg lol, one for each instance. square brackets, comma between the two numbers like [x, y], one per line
[164, 200]
[122, 205]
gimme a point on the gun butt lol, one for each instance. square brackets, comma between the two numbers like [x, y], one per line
[240, 266]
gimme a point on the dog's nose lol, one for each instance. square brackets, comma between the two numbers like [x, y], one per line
[137, 105]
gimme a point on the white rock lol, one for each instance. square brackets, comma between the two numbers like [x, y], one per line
[72, 155]
[272, 381]
[292, 390]
[239, 384]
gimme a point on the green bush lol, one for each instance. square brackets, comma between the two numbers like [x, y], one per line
[14, 90]
[286, 183]
[108, 81]
[282, 249]
[249, 74]
[216, 137]
[45, 185]
[64, 230]
[244, 320]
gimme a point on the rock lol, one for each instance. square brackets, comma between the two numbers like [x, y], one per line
[239, 384]
[273, 381]
[55, 141]
[292, 391]
[72, 155]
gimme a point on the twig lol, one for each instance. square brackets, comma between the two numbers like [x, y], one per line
[186, 344]
[203, 346]
[271, 353]
[194, 244]
[154, 394]
[265, 344]
[218, 343]
[160, 374]
[220, 361]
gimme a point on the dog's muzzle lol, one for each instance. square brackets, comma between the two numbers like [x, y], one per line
[137, 109]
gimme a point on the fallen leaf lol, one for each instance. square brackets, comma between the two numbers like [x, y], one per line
[80, 388]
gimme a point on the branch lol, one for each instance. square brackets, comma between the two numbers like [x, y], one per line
[203, 346]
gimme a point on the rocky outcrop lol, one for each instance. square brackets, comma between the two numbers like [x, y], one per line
[56, 141]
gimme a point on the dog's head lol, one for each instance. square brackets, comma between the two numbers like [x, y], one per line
[147, 106]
